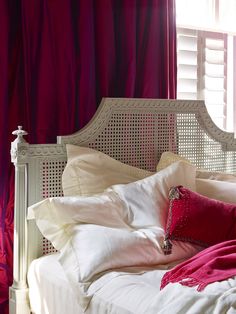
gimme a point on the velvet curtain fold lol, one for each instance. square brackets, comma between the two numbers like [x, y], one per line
[58, 59]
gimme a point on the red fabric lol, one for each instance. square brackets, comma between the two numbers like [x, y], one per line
[59, 58]
[215, 263]
[200, 220]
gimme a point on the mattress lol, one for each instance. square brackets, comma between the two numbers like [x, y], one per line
[125, 293]
[51, 293]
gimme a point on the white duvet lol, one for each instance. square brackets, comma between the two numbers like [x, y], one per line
[140, 294]
[104, 240]
[119, 293]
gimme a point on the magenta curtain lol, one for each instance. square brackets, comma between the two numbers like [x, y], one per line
[58, 58]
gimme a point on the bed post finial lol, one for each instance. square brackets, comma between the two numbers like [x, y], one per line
[20, 133]
[19, 146]
[18, 293]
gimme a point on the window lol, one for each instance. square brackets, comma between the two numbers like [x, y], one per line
[206, 46]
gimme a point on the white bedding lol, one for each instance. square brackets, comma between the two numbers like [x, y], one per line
[121, 230]
[49, 290]
[122, 227]
[50, 293]
[140, 294]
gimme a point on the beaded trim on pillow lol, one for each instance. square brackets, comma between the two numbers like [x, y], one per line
[176, 194]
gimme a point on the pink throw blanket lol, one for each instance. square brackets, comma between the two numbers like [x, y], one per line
[216, 263]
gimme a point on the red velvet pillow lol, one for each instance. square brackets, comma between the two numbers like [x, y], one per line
[198, 219]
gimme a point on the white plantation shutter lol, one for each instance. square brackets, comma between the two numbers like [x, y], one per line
[187, 55]
[214, 73]
[206, 44]
[202, 70]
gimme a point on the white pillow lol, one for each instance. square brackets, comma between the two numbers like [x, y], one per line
[148, 200]
[215, 175]
[100, 248]
[219, 190]
[167, 158]
[55, 216]
[95, 250]
[89, 172]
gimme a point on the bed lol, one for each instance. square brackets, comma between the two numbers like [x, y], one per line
[128, 139]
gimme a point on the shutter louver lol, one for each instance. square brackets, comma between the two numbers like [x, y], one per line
[187, 64]
[214, 75]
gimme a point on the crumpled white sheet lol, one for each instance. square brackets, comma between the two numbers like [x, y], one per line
[140, 294]
[124, 293]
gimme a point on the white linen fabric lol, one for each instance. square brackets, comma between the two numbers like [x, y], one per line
[168, 158]
[143, 290]
[123, 227]
[219, 190]
[215, 175]
[89, 172]
[57, 216]
[148, 199]
[49, 289]
[98, 249]
[125, 293]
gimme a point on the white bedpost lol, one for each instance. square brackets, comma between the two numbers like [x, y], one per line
[18, 293]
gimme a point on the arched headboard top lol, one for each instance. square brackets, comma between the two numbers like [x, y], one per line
[137, 106]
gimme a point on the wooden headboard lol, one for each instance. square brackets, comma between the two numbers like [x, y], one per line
[134, 131]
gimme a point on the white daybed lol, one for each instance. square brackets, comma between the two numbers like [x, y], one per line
[135, 132]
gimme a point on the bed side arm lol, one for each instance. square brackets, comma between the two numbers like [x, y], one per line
[18, 292]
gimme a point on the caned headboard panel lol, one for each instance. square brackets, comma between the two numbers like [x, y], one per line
[134, 131]
[137, 131]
